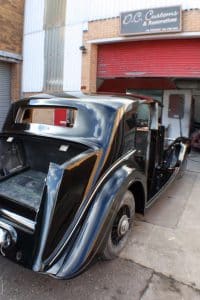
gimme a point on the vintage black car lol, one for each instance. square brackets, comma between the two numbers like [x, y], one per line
[73, 172]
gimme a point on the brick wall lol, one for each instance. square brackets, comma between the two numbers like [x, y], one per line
[16, 70]
[11, 25]
[191, 21]
[11, 38]
[109, 28]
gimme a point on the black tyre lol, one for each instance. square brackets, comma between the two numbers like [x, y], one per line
[120, 230]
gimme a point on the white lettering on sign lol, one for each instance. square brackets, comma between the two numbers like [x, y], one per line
[132, 18]
[137, 17]
[127, 19]
[149, 16]
[161, 19]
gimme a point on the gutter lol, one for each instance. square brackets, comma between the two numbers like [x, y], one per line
[10, 57]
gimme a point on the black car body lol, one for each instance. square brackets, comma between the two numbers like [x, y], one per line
[61, 187]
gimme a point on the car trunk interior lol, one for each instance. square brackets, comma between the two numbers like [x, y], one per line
[24, 165]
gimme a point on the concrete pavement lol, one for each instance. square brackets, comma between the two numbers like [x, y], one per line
[167, 239]
[115, 280]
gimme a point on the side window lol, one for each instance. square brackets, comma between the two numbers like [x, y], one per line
[130, 122]
[142, 130]
[143, 115]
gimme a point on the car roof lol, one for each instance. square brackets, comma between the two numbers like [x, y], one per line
[76, 99]
[96, 119]
[98, 116]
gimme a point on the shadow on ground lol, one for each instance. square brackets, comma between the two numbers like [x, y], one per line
[118, 279]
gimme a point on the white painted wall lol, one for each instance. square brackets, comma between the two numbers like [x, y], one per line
[34, 16]
[33, 47]
[33, 65]
[172, 124]
[87, 10]
[73, 58]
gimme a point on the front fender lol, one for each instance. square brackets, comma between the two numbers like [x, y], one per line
[96, 224]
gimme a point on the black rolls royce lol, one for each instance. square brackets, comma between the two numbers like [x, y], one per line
[73, 172]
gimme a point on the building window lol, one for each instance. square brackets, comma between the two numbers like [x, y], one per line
[54, 26]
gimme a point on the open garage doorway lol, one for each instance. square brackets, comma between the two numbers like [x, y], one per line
[164, 69]
[180, 113]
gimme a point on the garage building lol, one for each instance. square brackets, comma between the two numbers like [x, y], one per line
[162, 62]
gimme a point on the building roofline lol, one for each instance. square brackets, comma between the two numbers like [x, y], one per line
[10, 57]
[179, 35]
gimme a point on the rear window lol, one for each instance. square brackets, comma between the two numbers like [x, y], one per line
[63, 117]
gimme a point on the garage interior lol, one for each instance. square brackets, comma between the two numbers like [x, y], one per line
[168, 70]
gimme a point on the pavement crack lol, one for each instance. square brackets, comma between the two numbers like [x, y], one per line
[143, 292]
[171, 278]
[190, 285]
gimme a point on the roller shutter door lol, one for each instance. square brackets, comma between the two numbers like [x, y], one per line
[5, 86]
[160, 58]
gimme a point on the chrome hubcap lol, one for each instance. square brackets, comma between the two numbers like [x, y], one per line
[123, 225]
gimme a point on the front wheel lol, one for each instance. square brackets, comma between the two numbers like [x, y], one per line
[119, 233]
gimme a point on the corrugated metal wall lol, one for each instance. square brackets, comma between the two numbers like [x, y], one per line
[43, 53]
[34, 16]
[55, 12]
[33, 50]
[87, 10]
[54, 59]
[54, 24]
[5, 84]
[33, 64]
[73, 58]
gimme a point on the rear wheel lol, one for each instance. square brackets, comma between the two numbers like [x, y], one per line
[121, 226]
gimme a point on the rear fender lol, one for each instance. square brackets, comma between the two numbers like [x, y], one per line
[54, 214]
[96, 224]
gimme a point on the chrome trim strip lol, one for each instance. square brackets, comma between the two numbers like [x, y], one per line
[10, 230]
[182, 152]
[19, 219]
